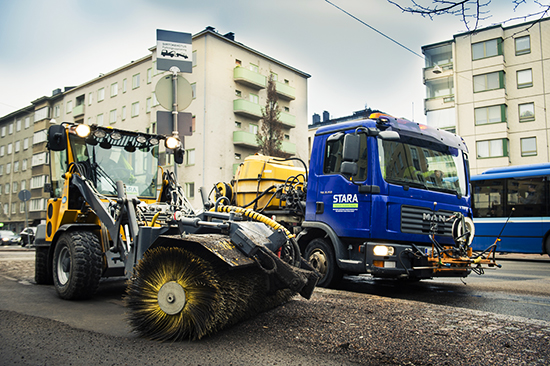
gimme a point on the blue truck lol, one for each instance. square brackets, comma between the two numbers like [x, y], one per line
[383, 196]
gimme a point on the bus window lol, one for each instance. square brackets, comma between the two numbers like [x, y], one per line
[488, 200]
[527, 196]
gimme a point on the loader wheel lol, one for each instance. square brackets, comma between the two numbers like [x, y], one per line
[77, 265]
[321, 257]
[177, 295]
[42, 267]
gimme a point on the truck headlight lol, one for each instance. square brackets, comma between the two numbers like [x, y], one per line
[383, 250]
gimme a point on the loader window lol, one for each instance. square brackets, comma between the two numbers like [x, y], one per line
[58, 167]
[333, 156]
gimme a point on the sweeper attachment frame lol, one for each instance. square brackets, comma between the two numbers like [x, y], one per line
[189, 273]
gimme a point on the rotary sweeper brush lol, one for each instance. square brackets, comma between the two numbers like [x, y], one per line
[190, 274]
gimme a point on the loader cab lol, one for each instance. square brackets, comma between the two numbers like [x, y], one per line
[105, 156]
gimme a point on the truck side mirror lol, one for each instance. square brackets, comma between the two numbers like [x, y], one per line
[350, 151]
[57, 138]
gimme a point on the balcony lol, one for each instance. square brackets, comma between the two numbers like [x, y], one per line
[78, 110]
[244, 138]
[285, 91]
[288, 147]
[247, 108]
[287, 119]
[249, 78]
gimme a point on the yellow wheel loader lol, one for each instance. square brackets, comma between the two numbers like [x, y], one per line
[190, 273]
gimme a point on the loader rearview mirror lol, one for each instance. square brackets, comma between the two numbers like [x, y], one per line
[178, 156]
[57, 138]
[352, 143]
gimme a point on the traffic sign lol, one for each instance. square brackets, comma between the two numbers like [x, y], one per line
[24, 195]
[174, 49]
[164, 91]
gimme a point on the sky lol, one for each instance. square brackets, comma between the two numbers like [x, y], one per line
[45, 45]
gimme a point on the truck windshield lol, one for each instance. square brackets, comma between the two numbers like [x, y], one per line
[137, 169]
[421, 164]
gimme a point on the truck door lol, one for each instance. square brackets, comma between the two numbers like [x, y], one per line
[339, 203]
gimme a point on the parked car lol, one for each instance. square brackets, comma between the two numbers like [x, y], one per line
[8, 237]
[27, 235]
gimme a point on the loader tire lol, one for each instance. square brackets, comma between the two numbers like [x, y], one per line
[77, 265]
[42, 267]
[320, 256]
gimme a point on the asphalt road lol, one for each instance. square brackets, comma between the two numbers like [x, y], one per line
[372, 322]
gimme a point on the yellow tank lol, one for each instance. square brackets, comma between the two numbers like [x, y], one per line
[258, 173]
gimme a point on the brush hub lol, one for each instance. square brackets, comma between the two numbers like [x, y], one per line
[171, 298]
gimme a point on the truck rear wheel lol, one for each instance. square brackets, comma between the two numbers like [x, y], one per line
[42, 266]
[321, 257]
[77, 265]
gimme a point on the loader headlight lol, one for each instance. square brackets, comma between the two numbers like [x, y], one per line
[383, 250]
[100, 134]
[82, 131]
[172, 142]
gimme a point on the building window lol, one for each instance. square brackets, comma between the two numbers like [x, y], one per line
[254, 68]
[2, 150]
[525, 78]
[253, 129]
[1, 170]
[14, 188]
[238, 124]
[25, 143]
[39, 181]
[149, 75]
[492, 148]
[124, 85]
[523, 45]
[155, 100]
[190, 157]
[8, 168]
[3, 131]
[114, 89]
[135, 109]
[37, 204]
[148, 102]
[56, 112]
[90, 98]
[23, 184]
[529, 146]
[10, 148]
[194, 90]
[16, 166]
[14, 208]
[7, 188]
[274, 76]
[24, 165]
[491, 81]
[40, 159]
[123, 113]
[112, 116]
[99, 119]
[190, 190]
[439, 88]
[18, 125]
[40, 136]
[41, 114]
[69, 107]
[254, 98]
[238, 93]
[238, 156]
[526, 112]
[135, 81]
[28, 120]
[238, 63]
[100, 94]
[287, 109]
[194, 58]
[485, 49]
[17, 145]
[6, 207]
[22, 207]
[492, 114]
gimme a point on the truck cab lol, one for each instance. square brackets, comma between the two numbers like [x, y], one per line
[380, 192]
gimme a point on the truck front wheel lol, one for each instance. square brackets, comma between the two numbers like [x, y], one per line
[77, 265]
[321, 257]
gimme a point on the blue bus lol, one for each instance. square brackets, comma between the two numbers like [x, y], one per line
[512, 202]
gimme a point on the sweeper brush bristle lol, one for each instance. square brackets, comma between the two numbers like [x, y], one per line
[177, 295]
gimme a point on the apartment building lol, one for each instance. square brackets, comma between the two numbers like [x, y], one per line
[492, 87]
[229, 82]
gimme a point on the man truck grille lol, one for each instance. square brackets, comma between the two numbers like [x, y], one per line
[417, 220]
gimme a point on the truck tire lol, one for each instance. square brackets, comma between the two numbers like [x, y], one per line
[77, 265]
[42, 267]
[321, 257]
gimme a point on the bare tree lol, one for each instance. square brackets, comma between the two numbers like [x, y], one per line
[471, 12]
[270, 135]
